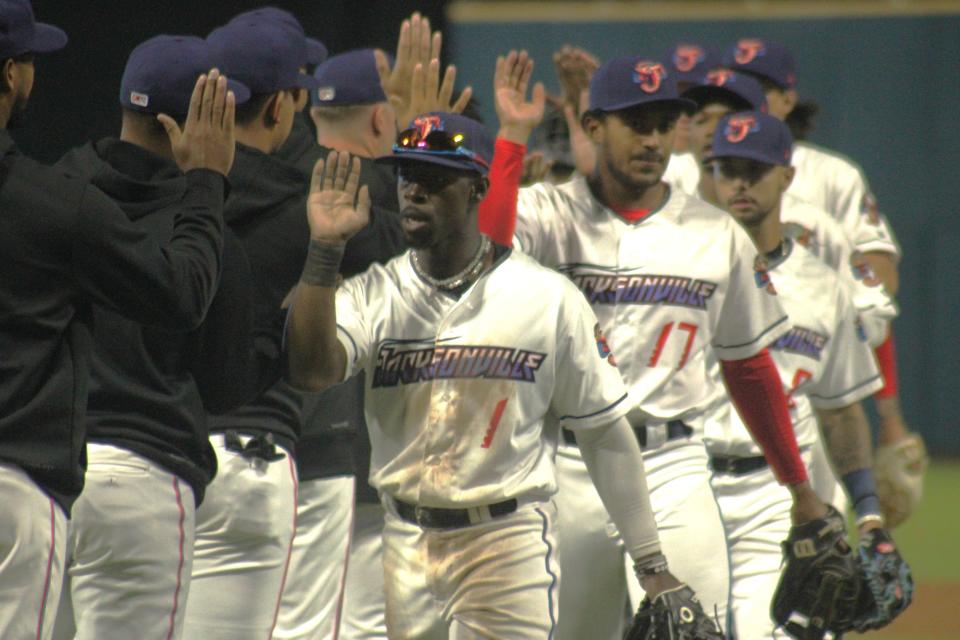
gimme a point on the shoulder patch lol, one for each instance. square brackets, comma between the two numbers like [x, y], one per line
[862, 271]
[603, 348]
[761, 275]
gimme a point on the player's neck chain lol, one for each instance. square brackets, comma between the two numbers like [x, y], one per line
[469, 273]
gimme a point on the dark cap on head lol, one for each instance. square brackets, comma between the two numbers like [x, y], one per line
[161, 73]
[763, 58]
[739, 89]
[315, 50]
[631, 81]
[445, 139]
[690, 62]
[264, 55]
[348, 79]
[754, 136]
[20, 32]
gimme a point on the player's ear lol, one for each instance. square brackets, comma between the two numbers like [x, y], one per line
[593, 124]
[788, 174]
[790, 98]
[480, 188]
[9, 76]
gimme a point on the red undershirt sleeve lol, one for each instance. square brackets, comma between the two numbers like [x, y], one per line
[887, 361]
[755, 388]
[497, 215]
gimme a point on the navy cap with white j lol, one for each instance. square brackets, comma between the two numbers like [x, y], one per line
[445, 139]
[265, 55]
[763, 58]
[621, 83]
[690, 62]
[739, 89]
[316, 52]
[754, 136]
[161, 73]
[348, 79]
[20, 32]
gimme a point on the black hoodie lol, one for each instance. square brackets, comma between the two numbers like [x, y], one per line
[65, 246]
[149, 387]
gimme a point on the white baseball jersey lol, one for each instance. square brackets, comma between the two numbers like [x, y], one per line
[821, 235]
[837, 185]
[664, 288]
[824, 360]
[683, 173]
[463, 396]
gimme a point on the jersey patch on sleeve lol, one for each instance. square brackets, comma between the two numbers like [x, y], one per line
[761, 276]
[862, 270]
[869, 209]
[603, 348]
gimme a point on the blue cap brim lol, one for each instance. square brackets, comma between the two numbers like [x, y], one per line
[701, 94]
[46, 38]
[683, 103]
[240, 91]
[316, 52]
[747, 154]
[425, 157]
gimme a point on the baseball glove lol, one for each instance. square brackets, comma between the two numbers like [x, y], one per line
[899, 470]
[820, 582]
[887, 583]
[675, 614]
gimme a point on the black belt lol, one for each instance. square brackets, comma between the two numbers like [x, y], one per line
[676, 429]
[436, 518]
[737, 466]
[259, 446]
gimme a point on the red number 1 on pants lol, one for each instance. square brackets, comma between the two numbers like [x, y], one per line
[691, 330]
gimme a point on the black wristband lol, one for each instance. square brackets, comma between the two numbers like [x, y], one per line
[323, 264]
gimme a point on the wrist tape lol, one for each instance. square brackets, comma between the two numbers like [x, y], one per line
[323, 264]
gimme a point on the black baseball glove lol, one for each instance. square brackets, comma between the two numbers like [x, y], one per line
[675, 614]
[887, 583]
[820, 582]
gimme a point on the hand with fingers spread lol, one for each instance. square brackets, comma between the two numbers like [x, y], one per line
[207, 138]
[416, 45]
[337, 207]
[574, 67]
[518, 116]
[581, 148]
[535, 168]
[428, 94]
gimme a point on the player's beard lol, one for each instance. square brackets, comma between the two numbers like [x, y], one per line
[629, 180]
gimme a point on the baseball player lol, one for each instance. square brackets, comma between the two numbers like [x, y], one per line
[633, 246]
[246, 524]
[149, 459]
[835, 184]
[66, 247]
[825, 363]
[463, 401]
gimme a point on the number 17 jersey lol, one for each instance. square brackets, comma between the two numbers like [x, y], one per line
[664, 289]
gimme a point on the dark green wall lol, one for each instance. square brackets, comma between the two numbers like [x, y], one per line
[890, 90]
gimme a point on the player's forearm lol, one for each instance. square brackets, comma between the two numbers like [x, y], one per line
[315, 358]
[885, 266]
[847, 437]
[615, 464]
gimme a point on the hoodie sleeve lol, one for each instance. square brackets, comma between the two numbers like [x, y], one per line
[128, 271]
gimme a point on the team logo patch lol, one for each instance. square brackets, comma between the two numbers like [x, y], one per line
[869, 209]
[397, 365]
[739, 127]
[139, 99]
[802, 341]
[748, 49]
[649, 75]
[803, 236]
[862, 270]
[326, 94]
[761, 276]
[602, 347]
[720, 77]
[687, 57]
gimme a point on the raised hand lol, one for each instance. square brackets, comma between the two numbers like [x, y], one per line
[536, 168]
[574, 67]
[518, 116]
[207, 138]
[416, 45]
[337, 207]
[428, 94]
[581, 147]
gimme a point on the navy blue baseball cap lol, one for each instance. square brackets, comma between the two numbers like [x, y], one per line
[752, 135]
[20, 32]
[265, 55]
[631, 81]
[763, 58]
[161, 73]
[315, 50]
[348, 79]
[738, 88]
[446, 139]
[690, 62]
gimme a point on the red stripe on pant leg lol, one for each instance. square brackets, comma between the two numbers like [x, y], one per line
[286, 565]
[346, 562]
[46, 579]
[176, 593]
